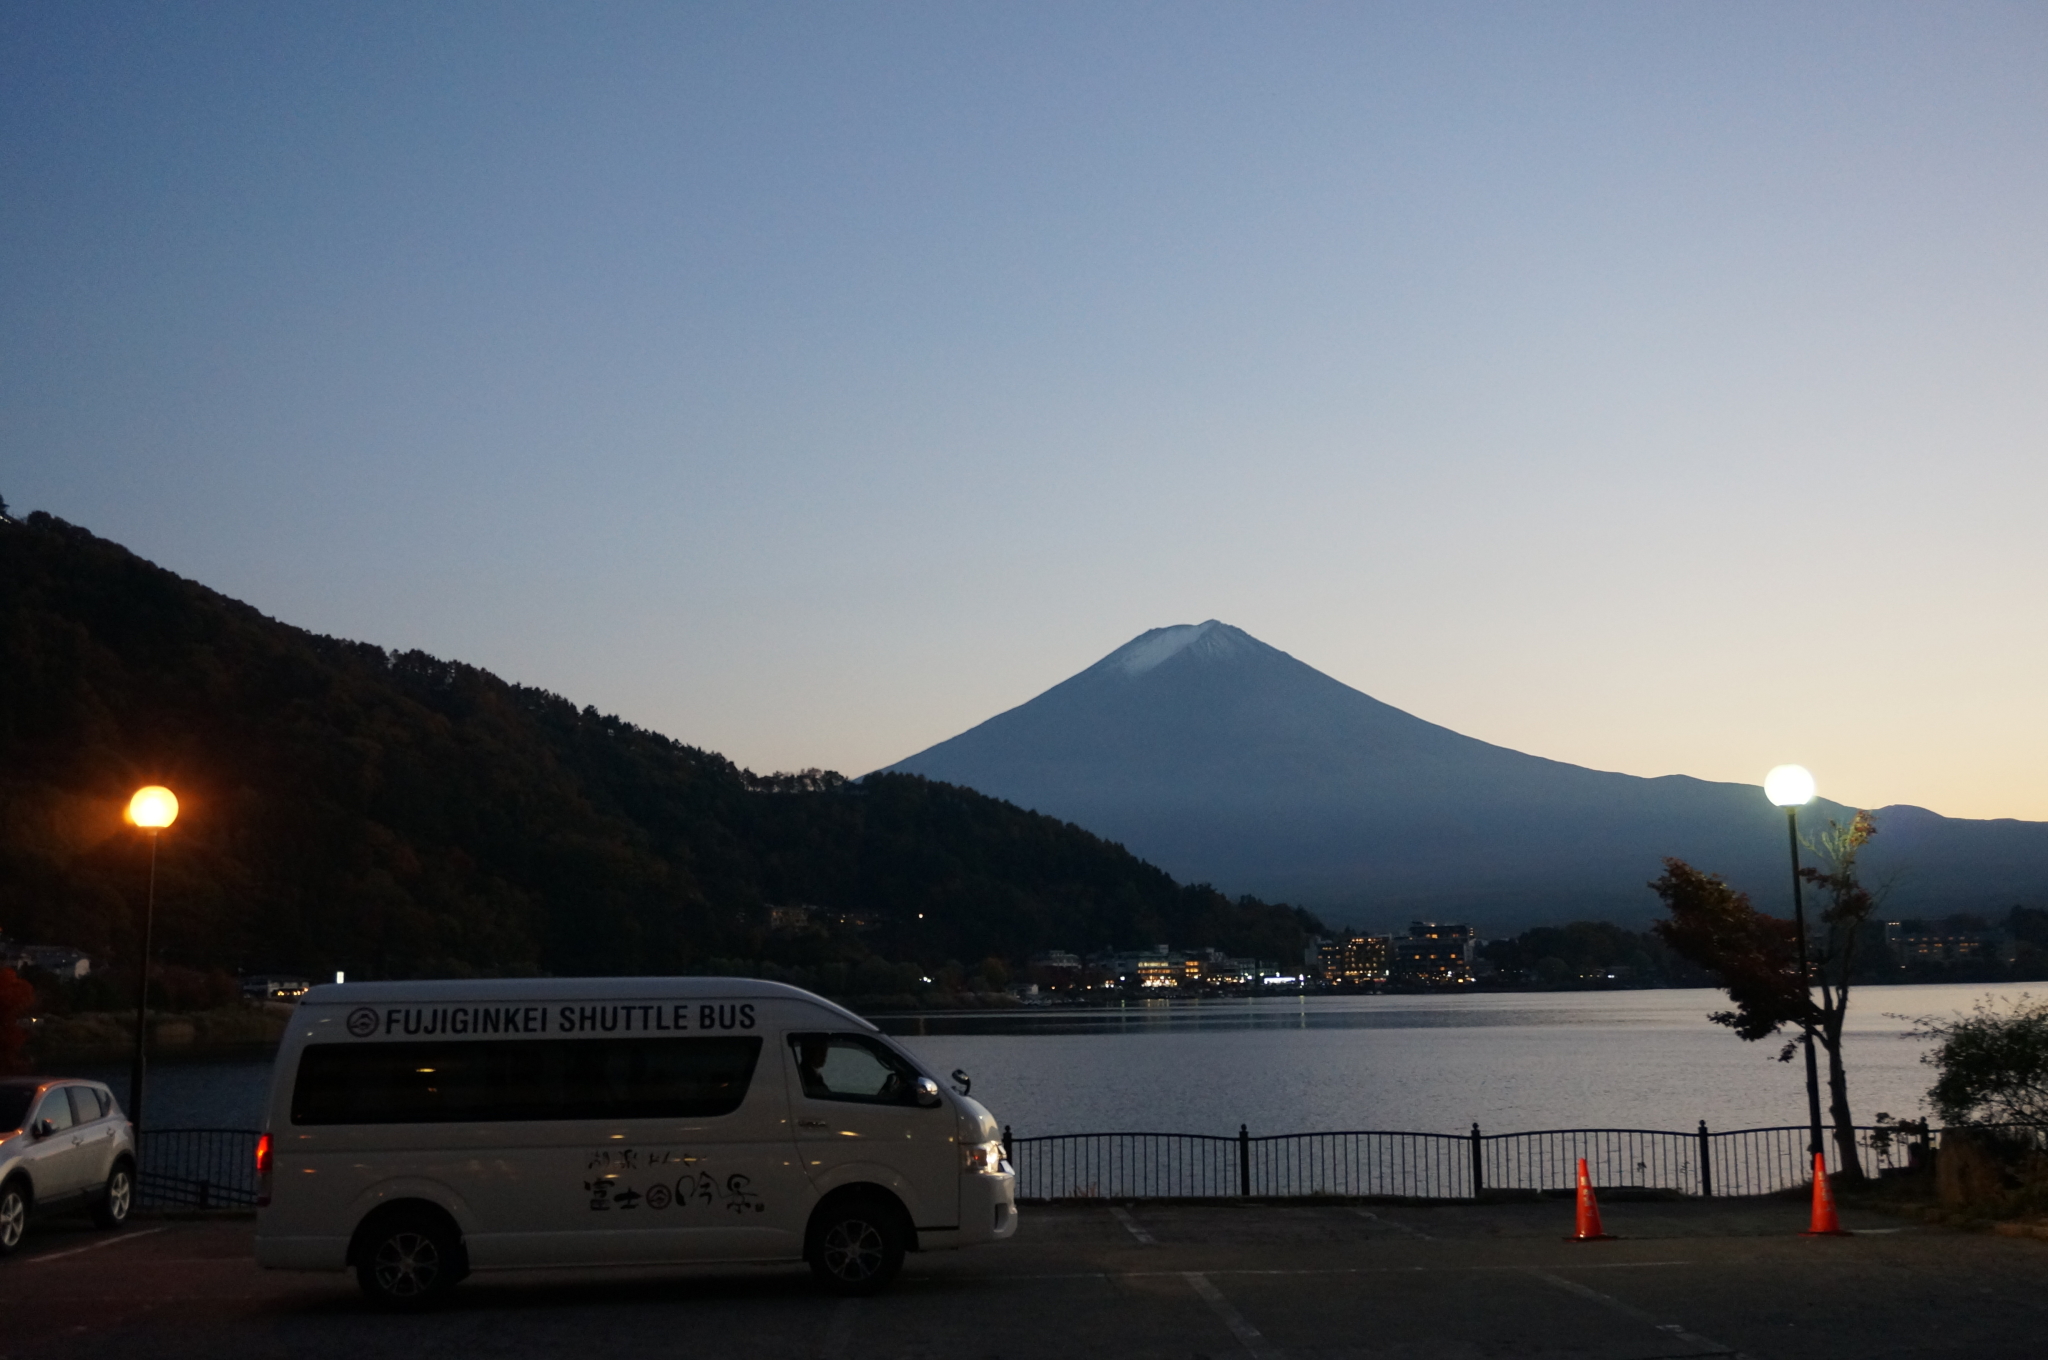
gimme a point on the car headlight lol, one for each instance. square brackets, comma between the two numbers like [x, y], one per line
[986, 1158]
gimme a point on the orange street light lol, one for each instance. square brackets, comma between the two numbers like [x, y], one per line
[152, 808]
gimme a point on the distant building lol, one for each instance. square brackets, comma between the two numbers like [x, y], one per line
[1941, 942]
[1354, 960]
[269, 988]
[1214, 968]
[1160, 968]
[1434, 955]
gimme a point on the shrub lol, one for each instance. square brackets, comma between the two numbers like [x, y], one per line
[1991, 1065]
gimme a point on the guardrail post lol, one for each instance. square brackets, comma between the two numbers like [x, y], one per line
[1478, 1173]
[1244, 1161]
[205, 1196]
[1706, 1163]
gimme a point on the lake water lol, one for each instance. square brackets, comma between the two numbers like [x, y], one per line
[1508, 1061]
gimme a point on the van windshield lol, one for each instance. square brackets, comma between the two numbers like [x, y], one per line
[453, 1081]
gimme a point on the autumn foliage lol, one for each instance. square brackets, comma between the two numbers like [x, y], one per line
[1756, 957]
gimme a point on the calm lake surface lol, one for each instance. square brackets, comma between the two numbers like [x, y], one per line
[1510, 1062]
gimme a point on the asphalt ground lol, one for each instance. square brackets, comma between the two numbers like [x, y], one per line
[1215, 1281]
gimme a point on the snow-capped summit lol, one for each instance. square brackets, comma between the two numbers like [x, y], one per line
[1210, 639]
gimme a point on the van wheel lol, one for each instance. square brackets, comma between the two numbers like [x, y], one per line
[408, 1261]
[859, 1246]
[119, 1197]
[13, 1216]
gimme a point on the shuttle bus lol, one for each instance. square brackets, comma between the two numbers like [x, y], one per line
[417, 1131]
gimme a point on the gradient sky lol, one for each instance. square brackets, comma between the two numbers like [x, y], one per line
[1662, 388]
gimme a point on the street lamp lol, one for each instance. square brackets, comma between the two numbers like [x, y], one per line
[152, 809]
[1789, 786]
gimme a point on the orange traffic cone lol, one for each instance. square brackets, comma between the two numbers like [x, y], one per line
[1825, 1224]
[1589, 1211]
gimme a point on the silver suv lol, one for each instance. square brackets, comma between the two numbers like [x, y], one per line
[63, 1144]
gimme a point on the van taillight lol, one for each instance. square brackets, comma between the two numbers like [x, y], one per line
[263, 1170]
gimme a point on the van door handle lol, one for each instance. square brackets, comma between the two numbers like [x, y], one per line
[812, 1124]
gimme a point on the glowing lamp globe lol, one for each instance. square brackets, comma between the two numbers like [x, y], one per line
[1789, 786]
[153, 808]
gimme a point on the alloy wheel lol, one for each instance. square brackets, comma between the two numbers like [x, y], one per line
[13, 1218]
[120, 1194]
[407, 1265]
[854, 1250]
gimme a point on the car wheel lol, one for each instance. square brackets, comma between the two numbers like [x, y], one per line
[408, 1262]
[118, 1199]
[858, 1246]
[13, 1216]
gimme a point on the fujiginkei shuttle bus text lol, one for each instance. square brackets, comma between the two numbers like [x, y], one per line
[421, 1130]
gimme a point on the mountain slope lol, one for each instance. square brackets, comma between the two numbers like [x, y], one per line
[1229, 761]
[398, 815]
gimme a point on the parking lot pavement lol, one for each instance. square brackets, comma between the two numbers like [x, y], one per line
[1684, 1279]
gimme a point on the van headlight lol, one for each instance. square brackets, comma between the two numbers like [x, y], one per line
[986, 1158]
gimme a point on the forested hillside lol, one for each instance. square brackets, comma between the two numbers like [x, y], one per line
[398, 815]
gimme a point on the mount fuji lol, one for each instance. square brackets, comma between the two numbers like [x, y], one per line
[1224, 760]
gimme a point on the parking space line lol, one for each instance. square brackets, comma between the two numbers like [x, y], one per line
[1123, 1216]
[94, 1246]
[1707, 1345]
[1403, 1227]
[1249, 1336]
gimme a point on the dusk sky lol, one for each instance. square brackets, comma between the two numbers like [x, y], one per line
[1657, 387]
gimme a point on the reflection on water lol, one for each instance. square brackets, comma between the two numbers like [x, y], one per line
[1156, 1015]
[1508, 1061]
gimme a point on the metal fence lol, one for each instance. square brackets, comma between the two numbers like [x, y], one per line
[216, 1168]
[1429, 1166]
[196, 1169]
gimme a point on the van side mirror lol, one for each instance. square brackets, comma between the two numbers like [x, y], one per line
[44, 1128]
[927, 1092]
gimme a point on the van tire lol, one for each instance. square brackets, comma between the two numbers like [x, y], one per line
[117, 1197]
[13, 1214]
[408, 1260]
[857, 1244]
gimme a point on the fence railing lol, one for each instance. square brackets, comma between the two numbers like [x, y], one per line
[216, 1168]
[196, 1169]
[1430, 1166]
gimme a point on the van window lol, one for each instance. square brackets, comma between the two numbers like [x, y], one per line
[447, 1081]
[852, 1067]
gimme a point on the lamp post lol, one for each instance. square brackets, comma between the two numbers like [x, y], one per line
[152, 809]
[1788, 787]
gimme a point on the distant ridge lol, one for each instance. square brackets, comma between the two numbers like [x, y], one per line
[398, 815]
[1226, 760]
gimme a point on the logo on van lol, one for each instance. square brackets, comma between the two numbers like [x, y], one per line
[362, 1022]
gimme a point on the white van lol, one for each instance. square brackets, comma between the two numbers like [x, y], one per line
[419, 1130]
